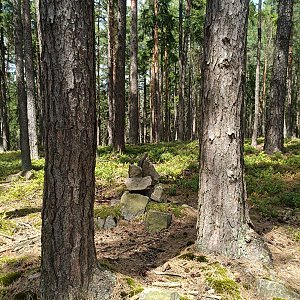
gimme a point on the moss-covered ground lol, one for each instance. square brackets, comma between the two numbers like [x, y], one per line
[273, 187]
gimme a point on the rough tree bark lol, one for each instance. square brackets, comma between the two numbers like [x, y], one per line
[30, 85]
[223, 225]
[289, 98]
[275, 109]
[69, 268]
[111, 69]
[133, 102]
[119, 81]
[21, 93]
[257, 80]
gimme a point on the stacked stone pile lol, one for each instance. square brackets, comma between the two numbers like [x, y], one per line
[142, 187]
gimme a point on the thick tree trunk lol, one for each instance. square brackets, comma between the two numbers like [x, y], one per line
[30, 85]
[69, 267]
[119, 91]
[224, 226]
[21, 93]
[111, 69]
[133, 102]
[275, 110]
[257, 80]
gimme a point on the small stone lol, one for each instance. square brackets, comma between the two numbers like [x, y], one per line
[158, 294]
[133, 205]
[149, 170]
[156, 221]
[138, 184]
[110, 222]
[28, 175]
[13, 177]
[99, 223]
[135, 171]
[269, 289]
[157, 193]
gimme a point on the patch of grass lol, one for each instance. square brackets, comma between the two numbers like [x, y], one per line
[295, 233]
[177, 210]
[192, 256]
[7, 226]
[104, 211]
[9, 278]
[10, 163]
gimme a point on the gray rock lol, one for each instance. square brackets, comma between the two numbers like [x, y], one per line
[158, 294]
[157, 194]
[138, 184]
[135, 171]
[99, 223]
[110, 222]
[156, 221]
[269, 289]
[149, 170]
[133, 205]
[14, 177]
[28, 175]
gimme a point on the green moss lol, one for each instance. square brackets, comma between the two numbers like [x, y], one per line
[177, 210]
[278, 298]
[218, 279]
[9, 278]
[295, 233]
[104, 211]
[192, 256]
[135, 287]
[11, 262]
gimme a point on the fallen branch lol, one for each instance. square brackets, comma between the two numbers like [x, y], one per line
[170, 274]
[7, 236]
[166, 284]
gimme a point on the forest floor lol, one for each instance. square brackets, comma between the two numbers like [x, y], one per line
[167, 260]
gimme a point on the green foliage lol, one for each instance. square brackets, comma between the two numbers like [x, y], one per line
[135, 287]
[9, 278]
[10, 163]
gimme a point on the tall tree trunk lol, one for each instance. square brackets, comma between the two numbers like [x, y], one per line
[133, 102]
[40, 104]
[4, 127]
[111, 69]
[289, 102]
[21, 93]
[69, 268]
[257, 80]
[275, 111]
[223, 225]
[119, 91]
[181, 99]
[30, 85]
[167, 130]
[154, 84]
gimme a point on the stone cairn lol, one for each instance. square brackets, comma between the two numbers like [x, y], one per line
[142, 187]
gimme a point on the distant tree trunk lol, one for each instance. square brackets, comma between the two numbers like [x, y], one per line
[181, 99]
[167, 130]
[98, 80]
[257, 80]
[224, 226]
[69, 268]
[133, 102]
[30, 85]
[145, 119]
[4, 128]
[119, 91]
[275, 111]
[154, 84]
[111, 69]
[21, 93]
[289, 102]
[40, 99]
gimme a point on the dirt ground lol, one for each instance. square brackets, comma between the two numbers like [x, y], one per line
[155, 259]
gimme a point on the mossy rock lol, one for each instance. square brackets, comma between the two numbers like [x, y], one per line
[156, 221]
[133, 205]
[158, 294]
